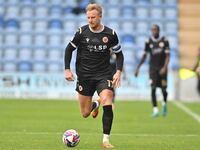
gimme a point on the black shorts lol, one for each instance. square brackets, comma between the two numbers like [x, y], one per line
[88, 87]
[157, 80]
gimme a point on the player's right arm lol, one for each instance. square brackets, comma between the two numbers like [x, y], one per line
[73, 44]
[142, 59]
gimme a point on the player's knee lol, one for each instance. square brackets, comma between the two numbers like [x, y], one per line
[106, 101]
[85, 114]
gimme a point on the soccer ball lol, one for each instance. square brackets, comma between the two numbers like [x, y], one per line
[71, 138]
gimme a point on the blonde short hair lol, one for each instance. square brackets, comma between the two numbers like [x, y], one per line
[94, 6]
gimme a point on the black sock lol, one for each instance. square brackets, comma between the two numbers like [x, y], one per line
[164, 92]
[94, 105]
[107, 119]
[153, 97]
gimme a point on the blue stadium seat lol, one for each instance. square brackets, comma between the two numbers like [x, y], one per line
[27, 2]
[1, 40]
[25, 40]
[127, 27]
[55, 67]
[113, 2]
[10, 39]
[171, 13]
[2, 10]
[156, 13]
[140, 40]
[26, 25]
[171, 2]
[56, 2]
[9, 66]
[113, 12]
[13, 2]
[41, 11]
[1, 66]
[55, 11]
[142, 13]
[40, 40]
[12, 11]
[143, 2]
[1, 53]
[39, 54]
[128, 12]
[12, 25]
[41, 25]
[1, 23]
[39, 66]
[25, 54]
[127, 2]
[67, 10]
[55, 40]
[142, 27]
[24, 66]
[171, 27]
[128, 38]
[156, 2]
[54, 54]
[55, 26]
[27, 12]
[10, 53]
[42, 2]
[70, 26]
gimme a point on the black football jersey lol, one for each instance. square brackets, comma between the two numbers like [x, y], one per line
[93, 51]
[157, 48]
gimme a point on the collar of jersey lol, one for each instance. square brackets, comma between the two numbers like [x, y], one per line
[156, 40]
[96, 31]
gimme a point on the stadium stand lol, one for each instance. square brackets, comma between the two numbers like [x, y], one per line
[34, 33]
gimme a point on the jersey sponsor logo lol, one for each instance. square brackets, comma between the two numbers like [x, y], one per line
[161, 44]
[151, 45]
[105, 39]
[156, 51]
[97, 48]
[80, 88]
[87, 39]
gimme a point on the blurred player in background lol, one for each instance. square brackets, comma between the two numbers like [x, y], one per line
[197, 70]
[94, 43]
[158, 48]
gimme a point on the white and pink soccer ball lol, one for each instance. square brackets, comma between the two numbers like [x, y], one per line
[71, 138]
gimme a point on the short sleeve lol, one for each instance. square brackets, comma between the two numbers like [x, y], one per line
[115, 45]
[76, 39]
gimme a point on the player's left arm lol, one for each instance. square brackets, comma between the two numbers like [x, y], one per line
[167, 58]
[119, 61]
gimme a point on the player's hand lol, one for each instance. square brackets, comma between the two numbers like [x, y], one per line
[163, 70]
[116, 79]
[69, 75]
[136, 72]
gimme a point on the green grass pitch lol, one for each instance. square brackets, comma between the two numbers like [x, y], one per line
[39, 125]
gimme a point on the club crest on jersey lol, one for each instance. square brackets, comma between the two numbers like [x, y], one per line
[87, 39]
[161, 44]
[80, 88]
[151, 45]
[105, 39]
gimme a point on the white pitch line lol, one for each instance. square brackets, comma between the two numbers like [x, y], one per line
[188, 111]
[114, 134]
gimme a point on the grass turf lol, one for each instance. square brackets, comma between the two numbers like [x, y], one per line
[39, 125]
